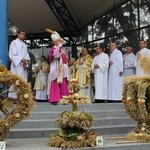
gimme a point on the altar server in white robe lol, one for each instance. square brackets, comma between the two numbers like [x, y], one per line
[19, 58]
[143, 53]
[129, 62]
[100, 66]
[115, 74]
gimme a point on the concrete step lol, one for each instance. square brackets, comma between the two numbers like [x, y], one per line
[87, 107]
[97, 122]
[46, 132]
[96, 113]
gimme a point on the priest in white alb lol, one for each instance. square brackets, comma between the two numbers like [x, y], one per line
[129, 62]
[19, 58]
[115, 74]
[100, 66]
[142, 60]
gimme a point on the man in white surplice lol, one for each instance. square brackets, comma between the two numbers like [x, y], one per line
[115, 74]
[100, 66]
[129, 62]
[19, 57]
[144, 52]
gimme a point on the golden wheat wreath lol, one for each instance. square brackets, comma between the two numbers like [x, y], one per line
[73, 125]
[24, 102]
[137, 105]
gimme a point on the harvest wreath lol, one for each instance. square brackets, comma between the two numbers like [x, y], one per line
[23, 105]
[73, 125]
[136, 100]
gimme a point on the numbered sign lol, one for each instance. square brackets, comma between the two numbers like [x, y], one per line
[99, 141]
[2, 145]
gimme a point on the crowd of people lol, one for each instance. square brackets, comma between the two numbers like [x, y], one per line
[100, 77]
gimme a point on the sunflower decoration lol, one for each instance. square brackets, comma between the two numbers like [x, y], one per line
[136, 100]
[13, 113]
[73, 125]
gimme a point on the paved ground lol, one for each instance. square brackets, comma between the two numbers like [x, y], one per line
[42, 144]
[28, 144]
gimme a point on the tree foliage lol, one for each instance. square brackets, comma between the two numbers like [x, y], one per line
[122, 25]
